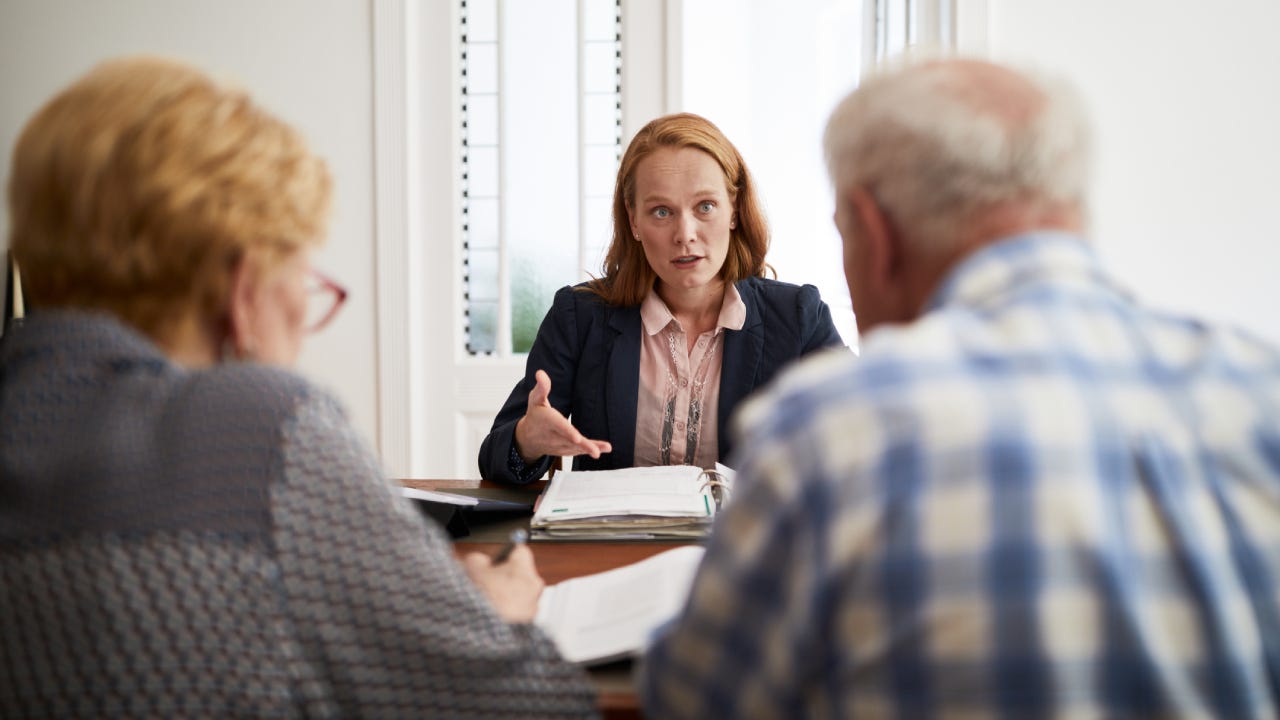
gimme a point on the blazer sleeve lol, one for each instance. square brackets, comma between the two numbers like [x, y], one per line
[556, 350]
[382, 606]
[814, 319]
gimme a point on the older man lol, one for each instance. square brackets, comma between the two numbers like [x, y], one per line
[1030, 496]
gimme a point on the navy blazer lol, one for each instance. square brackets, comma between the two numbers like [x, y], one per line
[591, 351]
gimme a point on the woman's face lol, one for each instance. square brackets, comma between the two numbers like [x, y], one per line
[682, 215]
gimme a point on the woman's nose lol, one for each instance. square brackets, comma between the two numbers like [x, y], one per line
[686, 229]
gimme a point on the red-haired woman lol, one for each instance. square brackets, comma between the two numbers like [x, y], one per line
[651, 359]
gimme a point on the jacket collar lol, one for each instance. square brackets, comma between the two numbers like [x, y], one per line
[743, 350]
[741, 360]
[623, 381]
[79, 336]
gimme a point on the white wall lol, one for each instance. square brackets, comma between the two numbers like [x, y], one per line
[309, 61]
[1183, 95]
[769, 76]
[1186, 103]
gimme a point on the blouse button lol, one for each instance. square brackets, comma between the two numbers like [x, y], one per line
[680, 426]
[684, 382]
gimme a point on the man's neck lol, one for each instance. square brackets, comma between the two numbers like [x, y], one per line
[983, 229]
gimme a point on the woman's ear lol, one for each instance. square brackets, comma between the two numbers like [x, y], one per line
[241, 310]
[631, 223]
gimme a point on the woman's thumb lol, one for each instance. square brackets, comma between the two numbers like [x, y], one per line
[541, 388]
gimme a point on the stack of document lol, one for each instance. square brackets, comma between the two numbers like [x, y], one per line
[665, 502]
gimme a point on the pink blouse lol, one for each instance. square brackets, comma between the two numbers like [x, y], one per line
[679, 395]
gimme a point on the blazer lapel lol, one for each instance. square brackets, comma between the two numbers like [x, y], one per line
[623, 382]
[739, 364]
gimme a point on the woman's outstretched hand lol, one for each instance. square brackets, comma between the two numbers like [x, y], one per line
[544, 431]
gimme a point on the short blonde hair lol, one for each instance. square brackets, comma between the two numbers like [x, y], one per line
[139, 188]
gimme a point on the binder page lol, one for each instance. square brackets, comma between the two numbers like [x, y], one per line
[439, 497]
[673, 490]
[611, 615]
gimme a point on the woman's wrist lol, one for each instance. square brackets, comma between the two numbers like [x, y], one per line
[520, 447]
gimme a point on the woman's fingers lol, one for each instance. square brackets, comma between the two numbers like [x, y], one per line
[513, 586]
[541, 389]
[580, 444]
[544, 431]
[560, 437]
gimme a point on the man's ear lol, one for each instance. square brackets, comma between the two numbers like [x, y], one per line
[882, 243]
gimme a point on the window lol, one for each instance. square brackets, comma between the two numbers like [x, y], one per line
[498, 128]
[541, 138]
[769, 73]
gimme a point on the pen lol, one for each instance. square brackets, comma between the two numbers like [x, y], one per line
[518, 537]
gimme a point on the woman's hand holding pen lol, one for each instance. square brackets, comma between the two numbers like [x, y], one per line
[510, 580]
[544, 431]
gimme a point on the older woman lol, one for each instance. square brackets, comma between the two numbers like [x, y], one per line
[187, 528]
[651, 359]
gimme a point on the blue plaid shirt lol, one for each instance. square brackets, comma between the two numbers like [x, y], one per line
[1039, 500]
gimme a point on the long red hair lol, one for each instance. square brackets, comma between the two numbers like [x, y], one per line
[627, 275]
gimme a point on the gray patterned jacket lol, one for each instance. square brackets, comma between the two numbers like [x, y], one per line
[220, 543]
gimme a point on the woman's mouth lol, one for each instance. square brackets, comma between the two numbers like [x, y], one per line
[686, 260]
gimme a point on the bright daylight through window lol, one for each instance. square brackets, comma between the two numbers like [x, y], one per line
[541, 118]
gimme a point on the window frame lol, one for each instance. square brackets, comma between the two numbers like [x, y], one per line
[417, 239]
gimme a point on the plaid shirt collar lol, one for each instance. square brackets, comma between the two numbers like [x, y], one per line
[989, 275]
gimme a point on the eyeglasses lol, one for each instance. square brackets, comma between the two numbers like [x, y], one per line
[324, 298]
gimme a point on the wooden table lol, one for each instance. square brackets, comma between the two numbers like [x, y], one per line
[559, 561]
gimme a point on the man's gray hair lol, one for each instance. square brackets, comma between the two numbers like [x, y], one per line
[932, 146]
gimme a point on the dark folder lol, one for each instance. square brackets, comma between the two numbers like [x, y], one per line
[495, 505]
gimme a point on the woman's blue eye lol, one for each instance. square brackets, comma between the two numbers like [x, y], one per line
[706, 206]
[661, 212]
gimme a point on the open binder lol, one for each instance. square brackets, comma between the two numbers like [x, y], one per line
[663, 502]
